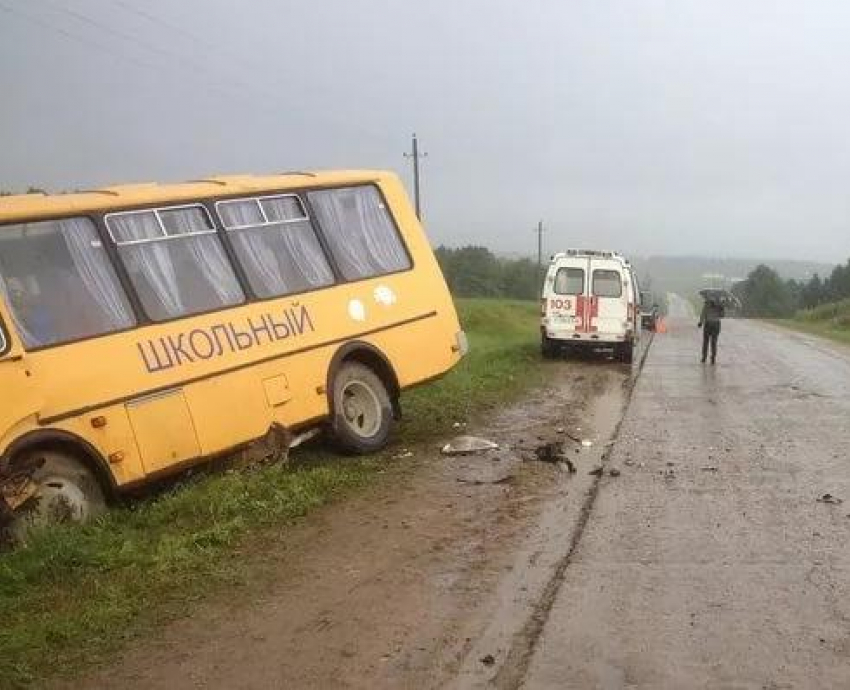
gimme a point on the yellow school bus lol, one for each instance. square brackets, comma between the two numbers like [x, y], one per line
[144, 328]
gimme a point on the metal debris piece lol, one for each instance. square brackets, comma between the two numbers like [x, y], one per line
[586, 442]
[553, 451]
[709, 469]
[614, 472]
[596, 472]
[403, 454]
[568, 464]
[488, 660]
[505, 479]
[829, 498]
[467, 445]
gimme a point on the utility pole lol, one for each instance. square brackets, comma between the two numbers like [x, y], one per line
[539, 232]
[415, 155]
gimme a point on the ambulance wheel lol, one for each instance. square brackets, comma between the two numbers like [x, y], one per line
[547, 348]
[362, 410]
[626, 353]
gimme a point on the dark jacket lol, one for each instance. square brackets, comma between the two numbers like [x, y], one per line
[712, 312]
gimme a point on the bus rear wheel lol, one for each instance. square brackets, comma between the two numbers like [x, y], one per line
[65, 491]
[363, 411]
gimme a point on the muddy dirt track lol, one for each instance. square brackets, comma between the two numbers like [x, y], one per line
[709, 562]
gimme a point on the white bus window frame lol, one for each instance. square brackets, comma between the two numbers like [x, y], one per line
[165, 236]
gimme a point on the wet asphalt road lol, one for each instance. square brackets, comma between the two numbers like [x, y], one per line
[710, 562]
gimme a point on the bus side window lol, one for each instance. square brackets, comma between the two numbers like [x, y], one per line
[175, 261]
[360, 232]
[59, 284]
[276, 244]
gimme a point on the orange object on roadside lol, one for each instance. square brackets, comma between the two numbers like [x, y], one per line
[660, 326]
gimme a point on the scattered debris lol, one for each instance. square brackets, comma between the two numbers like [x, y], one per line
[488, 660]
[568, 464]
[403, 454]
[629, 462]
[458, 425]
[614, 472]
[553, 451]
[505, 479]
[829, 498]
[587, 443]
[709, 469]
[560, 430]
[596, 472]
[467, 445]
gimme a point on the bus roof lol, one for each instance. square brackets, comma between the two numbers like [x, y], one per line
[28, 207]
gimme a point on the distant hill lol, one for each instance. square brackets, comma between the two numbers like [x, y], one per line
[687, 274]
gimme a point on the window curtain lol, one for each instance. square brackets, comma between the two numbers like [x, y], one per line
[254, 248]
[93, 267]
[360, 231]
[150, 259]
[207, 252]
[379, 234]
[301, 244]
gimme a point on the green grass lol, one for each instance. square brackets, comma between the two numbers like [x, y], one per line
[828, 320]
[76, 595]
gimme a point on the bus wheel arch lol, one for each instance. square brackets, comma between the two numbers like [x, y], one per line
[68, 467]
[363, 398]
[369, 356]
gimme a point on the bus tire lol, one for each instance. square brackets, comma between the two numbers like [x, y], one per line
[362, 410]
[547, 348]
[65, 491]
[626, 353]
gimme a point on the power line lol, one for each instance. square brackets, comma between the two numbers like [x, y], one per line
[260, 97]
[248, 65]
[83, 41]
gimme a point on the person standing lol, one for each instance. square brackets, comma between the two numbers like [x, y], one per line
[709, 321]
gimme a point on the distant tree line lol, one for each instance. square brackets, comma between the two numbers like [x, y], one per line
[765, 294]
[477, 272]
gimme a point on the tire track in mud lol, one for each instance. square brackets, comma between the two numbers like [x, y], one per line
[512, 670]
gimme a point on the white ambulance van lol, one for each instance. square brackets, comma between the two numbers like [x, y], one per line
[590, 300]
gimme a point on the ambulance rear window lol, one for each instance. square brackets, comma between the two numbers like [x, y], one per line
[607, 283]
[569, 281]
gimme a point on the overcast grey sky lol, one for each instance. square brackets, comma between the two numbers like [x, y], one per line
[718, 127]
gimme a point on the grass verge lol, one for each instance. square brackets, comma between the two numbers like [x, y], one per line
[830, 320]
[76, 595]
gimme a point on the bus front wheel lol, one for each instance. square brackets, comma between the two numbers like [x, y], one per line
[64, 491]
[362, 410]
